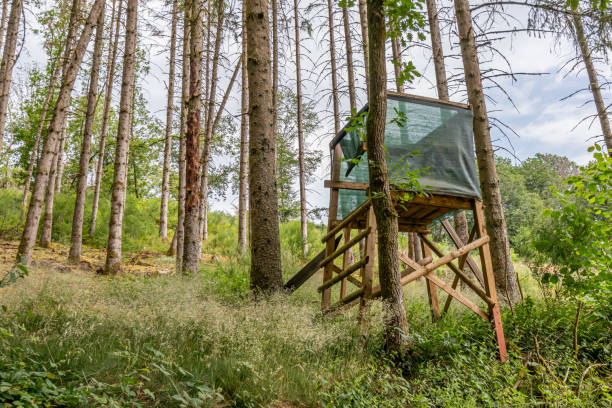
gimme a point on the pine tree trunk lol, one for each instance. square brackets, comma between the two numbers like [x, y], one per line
[115, 227]
[349, 59]
[39, 130]
[302, 176]
[397, 56]
[76, 240]
[60, 162]
[394, 314]
[208, 128]
[274, 8]
[163, 217]
[266, 272]
[179, 234]
[602, 112]
[110, 76]
[47, 227]
[51, 141]
[332, 53]
[8, 62]
[363, 19]
[459, 219]
[505, 276]
[193, 239]
[244, 145]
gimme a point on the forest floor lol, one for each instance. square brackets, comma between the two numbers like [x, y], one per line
[71, 337]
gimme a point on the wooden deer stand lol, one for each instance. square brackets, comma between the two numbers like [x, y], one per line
[341, 265]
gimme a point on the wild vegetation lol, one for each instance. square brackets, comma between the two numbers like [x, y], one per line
[146, 245]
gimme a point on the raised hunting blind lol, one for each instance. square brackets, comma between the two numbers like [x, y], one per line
[431, 141]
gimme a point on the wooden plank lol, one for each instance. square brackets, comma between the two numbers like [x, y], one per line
[432, 292]
[343, 274]
[347, 185]
[345, 222]
[458, 243]
[344, 247]
[351, 279]
[345, 261]
[438, 200]
[306, 272]
[408, 270]
[446, 259]
[450, 298]
[459, 272]
[452, 292]
[428, 99]
[485, 254]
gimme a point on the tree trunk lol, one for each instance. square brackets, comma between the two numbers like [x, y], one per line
[244, 147]
[76, 240]
[51, 141]
[179, 234]
[193, 239]
[8, 62]
[41, 125]
[110, 76]
[394, 314]
[602, 112]
[298, 74]
[60, 161]
[363, 19]
[5, 4]
[349, 59]
[505, 276]
[113, 248]
[397, 56]
[459, 219]
[209, 128]
[163, 217]
[266, 272]
[332, 53]
[274, 7]
[47, 227]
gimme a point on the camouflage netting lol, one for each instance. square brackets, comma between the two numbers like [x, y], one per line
[420, 134]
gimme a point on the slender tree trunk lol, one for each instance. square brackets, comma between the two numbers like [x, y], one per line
[244, 145]
[60, 162]
[459, 219]
[180, 225]
[349, 59]
[193, 239]
[397, 56]
[47, 228]
[332, 53]
[363, 18]
[394, 314]
[505, 276]
[110, 76]
[298, 73]
[115, 227]
[76, 240]
[51, 141]
[602, 112]
[209, 128]
[41, 125]
[163, 217]
[266, 272]
[8, 62]
[5, 4]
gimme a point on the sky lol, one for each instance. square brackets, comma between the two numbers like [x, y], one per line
[541, 121]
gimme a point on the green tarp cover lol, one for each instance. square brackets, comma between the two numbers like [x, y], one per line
[441, 134]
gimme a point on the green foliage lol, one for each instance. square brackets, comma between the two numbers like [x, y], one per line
[576, 238]
[19, 271]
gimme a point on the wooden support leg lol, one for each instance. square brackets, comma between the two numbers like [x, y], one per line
[345, 261]
[367, 273]
[489, 280]
[432, 291]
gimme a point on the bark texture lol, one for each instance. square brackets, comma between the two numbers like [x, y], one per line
[363, 19]
[163, 216]
[244, 145]
[53, 134]
[266, 274]
[8, 62]
[5, 4]
[193, 238]
[115, 226]
[503, 269]
[110, 76]
[332, 60]
[349, 58]
[302, 175]
[76, 240]
[602, 112]
[394, 314]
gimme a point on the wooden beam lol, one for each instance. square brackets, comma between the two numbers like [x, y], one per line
[427, 99]
[344, 247]
[432, 292]
[343, 274]
[460, 273]
[307, 271]
[365, 205]
[452, 292]
[353, 296]
[438, 200]
[347, 185]
[458, 243]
